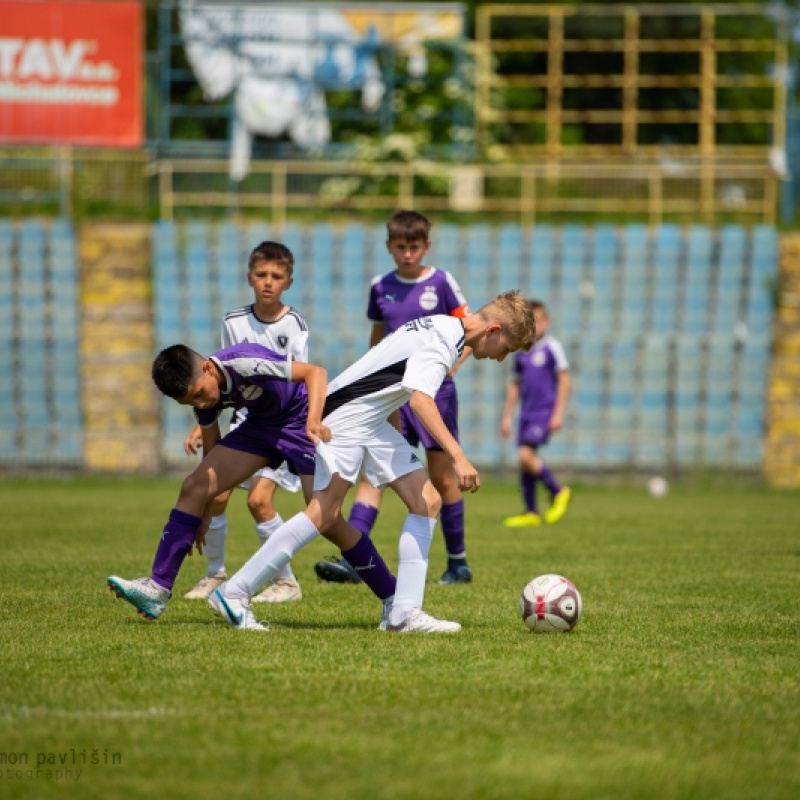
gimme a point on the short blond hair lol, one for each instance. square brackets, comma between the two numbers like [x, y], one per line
[515, 314]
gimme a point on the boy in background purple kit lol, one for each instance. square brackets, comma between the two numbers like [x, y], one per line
[284, 399]
[410, 291]
[542, 383]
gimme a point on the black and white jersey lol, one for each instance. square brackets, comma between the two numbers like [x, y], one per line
[416, 357]
[287, 335]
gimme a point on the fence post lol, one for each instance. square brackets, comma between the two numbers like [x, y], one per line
[65, 181]
[165, 189]
[278, 196]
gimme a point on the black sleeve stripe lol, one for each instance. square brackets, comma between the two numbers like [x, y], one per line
[238, 312]
[369, 384]
[300, 321]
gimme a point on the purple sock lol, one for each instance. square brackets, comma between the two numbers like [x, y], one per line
[176, 542]
[528, 482]
[362, 517]
[452, 516]
[546, 477]
[367, 561]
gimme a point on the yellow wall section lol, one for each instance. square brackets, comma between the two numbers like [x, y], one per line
[782, 445]
[121, 409]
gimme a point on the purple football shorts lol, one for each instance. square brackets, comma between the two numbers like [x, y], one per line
[447, 403]
[287, 443]
[534, 431]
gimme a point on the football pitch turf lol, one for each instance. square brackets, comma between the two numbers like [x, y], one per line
[682, 680]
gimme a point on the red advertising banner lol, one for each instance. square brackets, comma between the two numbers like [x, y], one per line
[71, 72]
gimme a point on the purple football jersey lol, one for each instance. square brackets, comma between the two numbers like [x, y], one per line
[537, 371]
[395, 301]
[259, 380]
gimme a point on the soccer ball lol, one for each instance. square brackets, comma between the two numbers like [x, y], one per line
[657, 486]
[550, 604]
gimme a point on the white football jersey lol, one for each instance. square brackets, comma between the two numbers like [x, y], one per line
[416, 357]
[287, 335]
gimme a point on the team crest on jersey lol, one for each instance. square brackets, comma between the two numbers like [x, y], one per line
[429, 299]
[283, 341]
[538, 358]
[252, 392]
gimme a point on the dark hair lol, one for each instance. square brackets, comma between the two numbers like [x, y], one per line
[408, 225]
[175, 369]
[274, 252]
[537, 305]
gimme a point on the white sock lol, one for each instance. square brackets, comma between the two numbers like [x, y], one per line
[412, 569]
[264, 530]
[214, 547]
[277, 551]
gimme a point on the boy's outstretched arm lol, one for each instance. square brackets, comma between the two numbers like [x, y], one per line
[424, 407]
[512, 395]
[316, 381]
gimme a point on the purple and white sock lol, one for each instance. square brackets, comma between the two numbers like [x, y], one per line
[362, 517]
[177, 540]
[371, 567]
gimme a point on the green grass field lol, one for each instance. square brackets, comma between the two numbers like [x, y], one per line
[681, 681]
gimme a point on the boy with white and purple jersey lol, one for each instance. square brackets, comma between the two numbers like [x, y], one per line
[282, 424]
[542, 383]
[270, 322]
[410, 291]
[408, 366]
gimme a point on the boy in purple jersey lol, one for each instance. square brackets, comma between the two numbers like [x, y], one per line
[541, 380]
[414, 290]
[284, 399]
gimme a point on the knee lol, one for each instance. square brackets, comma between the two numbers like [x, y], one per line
[323, 512]
[196, 487]
[327, 519]
[431, 501]
[259, 508]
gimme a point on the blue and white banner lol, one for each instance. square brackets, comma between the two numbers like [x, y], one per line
[278, 60]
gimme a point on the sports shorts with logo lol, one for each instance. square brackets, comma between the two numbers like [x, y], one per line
[288, 443]
[534, 430]
[384, 457]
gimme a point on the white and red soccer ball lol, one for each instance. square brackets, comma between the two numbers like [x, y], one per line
[550, 604]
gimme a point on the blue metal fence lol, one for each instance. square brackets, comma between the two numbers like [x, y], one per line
[40, 404]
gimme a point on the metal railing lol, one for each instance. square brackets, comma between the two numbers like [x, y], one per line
[609, 56]
[685, 190]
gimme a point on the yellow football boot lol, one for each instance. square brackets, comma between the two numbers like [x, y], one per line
[559, 506]
[526, 520]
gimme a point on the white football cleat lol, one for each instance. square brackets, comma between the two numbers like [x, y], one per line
[420, 622]
[386, 614]
[144, 594]
[284, 590]
[205, 586]
[234, 611]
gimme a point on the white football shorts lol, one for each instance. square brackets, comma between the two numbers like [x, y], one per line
[383, 458]
[285, 479]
